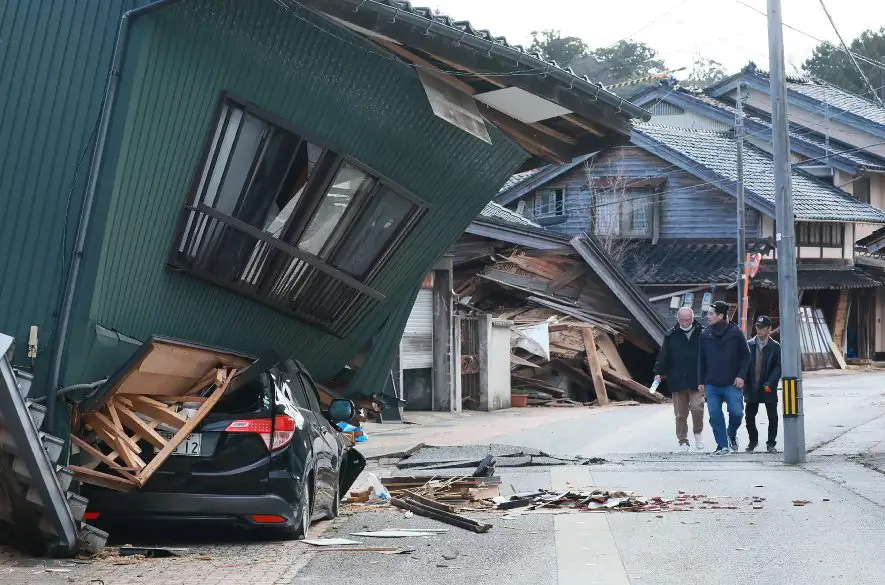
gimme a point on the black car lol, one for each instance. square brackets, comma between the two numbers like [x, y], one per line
[266, 456]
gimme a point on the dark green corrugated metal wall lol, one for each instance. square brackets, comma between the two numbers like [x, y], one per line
[372, 108]
[54, 58]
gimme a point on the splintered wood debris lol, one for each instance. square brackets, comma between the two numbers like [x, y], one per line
[567, 328]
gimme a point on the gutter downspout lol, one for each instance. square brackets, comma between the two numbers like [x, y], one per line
[98, 156]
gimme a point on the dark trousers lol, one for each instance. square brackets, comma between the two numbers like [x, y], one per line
[771, 409]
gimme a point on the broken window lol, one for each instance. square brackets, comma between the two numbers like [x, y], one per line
[549, 203]
[288, 222]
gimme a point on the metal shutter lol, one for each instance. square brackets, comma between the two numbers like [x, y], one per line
[416, 350]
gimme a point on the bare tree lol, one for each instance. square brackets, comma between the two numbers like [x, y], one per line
[611, 199]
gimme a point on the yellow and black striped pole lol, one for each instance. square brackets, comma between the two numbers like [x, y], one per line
[643, 79]
[791, 397]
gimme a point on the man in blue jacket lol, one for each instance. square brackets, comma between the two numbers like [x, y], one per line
[722, 366]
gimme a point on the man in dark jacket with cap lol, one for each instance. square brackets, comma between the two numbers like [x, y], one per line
[678, 362]
[722, 367]
[762, 378]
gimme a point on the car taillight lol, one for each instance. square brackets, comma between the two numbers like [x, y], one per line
[276, 432]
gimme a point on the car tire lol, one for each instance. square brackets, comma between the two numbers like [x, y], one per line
[335, 508]
[304, 517]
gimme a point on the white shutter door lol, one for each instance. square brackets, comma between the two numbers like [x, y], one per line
[416, 350]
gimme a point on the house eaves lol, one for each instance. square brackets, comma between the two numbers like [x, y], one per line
[536, 238]
[618, 282]
[518, 189]
[508, 82]
[804, 142]
[803, 93]
[711, 157]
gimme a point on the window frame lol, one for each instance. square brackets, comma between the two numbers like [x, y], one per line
[807, 238]
[558, 193]
[624, 221]
[330, 161]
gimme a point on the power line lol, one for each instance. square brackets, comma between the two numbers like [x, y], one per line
[837, 153]
[850, 54]
[646, 26]
[867, 60]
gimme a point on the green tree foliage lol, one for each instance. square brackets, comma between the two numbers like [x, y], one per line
[833, 65]
[704, 72]
[553, 46]
[628, 60]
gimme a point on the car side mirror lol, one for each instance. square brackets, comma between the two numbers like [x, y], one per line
[341, 410]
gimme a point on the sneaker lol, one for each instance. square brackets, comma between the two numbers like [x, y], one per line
[720, 451]
[684, 447]
[751, 447]
[699, 442]
[733, 444]
[771, 449]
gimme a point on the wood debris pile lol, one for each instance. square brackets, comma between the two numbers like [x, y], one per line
[567, 329]
[616, 501]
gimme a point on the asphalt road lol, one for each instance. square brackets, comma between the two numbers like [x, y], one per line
[834, 539]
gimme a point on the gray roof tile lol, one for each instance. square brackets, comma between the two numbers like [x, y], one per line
[494, 211]
[840, 99]
[717, 152]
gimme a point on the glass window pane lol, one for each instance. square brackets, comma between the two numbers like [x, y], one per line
[637, 208]
[607, 215]
[374, 230]
[345, 185]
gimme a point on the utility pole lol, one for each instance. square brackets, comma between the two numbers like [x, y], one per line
[794, 417]
[741, 220]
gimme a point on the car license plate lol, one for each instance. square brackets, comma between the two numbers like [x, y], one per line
[192, 446]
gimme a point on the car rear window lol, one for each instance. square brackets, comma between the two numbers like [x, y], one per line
[253, 396]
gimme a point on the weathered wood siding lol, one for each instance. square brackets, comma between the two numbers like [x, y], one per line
[687, 206]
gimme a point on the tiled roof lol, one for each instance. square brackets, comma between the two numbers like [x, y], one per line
[494, 211]
[798, 133]
[812, 139]
[840, 99]
[823, 279]
[683, 261]
[519, 178]
[550, 67]
[716, 152]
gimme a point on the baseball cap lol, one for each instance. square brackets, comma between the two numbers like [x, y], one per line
[720, 307]
[763, 321]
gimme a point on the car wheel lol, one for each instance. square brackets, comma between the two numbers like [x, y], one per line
[335, 509]
[306, 510]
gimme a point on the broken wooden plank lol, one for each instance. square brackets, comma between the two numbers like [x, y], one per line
[632, 386]
[222, 381]
[533, 383]
[139, 427]
[99, 420]
[609, 351]
[566, 278]
[84, 446]
[595, 369]
[156, 410]
[447, 517]
[101, 479]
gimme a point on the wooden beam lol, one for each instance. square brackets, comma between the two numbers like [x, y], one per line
[98, 420]
[222, 382]
[536, 125]
[105, 480]
[583, 125]
[84, 446]
[119, 446]
[157, 410]
[595, 370]
[138, 426]
[554, 149]
[566, 278]
[632, 386]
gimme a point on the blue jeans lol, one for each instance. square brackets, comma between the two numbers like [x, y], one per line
[734, 401]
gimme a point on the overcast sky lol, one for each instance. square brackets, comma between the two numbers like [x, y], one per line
[723, 30]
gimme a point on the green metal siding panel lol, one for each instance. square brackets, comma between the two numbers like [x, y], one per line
[325, 82]
[54, 57]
